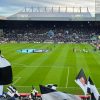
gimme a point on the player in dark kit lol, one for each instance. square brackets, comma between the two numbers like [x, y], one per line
[5, 73]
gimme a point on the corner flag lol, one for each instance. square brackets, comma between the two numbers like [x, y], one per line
[82, 81]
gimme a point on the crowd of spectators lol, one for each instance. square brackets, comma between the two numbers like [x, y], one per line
[52, 32]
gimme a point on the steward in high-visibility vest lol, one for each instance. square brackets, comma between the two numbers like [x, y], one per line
[33, 93]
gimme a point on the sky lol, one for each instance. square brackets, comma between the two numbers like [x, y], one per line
[10, 7]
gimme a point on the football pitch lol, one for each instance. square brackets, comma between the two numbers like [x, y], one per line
[58, 66]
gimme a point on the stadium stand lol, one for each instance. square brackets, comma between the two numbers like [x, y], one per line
[26, 31]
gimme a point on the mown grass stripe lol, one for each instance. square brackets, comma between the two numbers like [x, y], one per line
[40, 73]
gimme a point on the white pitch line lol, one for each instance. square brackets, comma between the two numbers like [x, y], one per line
[67, 78]
[16, 80]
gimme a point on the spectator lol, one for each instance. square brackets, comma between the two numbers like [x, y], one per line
[33, 93]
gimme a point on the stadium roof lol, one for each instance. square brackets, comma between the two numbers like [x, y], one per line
[53, 14]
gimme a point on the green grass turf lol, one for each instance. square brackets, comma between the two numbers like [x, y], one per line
[59, 66]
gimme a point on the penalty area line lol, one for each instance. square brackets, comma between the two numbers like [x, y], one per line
[67, 78]
[18, 78]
